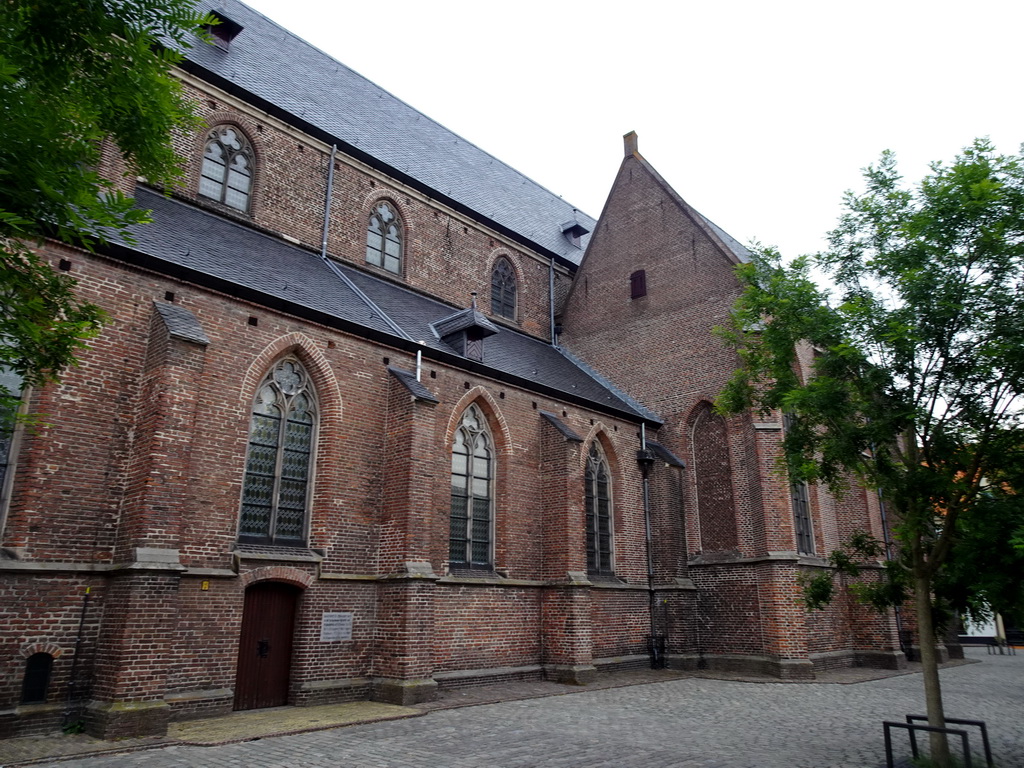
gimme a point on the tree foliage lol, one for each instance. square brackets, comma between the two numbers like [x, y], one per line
[984, 574]
[42, 323]
[918, 363]
[75, 75]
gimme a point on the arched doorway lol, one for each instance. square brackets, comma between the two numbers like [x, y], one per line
[265, 647]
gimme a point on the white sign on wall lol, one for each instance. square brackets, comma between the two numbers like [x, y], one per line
[335, 627]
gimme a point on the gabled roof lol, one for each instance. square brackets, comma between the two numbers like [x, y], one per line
[731, 247]
[286, 73]
[195, 245]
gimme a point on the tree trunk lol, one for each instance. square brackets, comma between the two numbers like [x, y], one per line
[930, 665]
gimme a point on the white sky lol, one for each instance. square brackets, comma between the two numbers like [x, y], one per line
[759, 114]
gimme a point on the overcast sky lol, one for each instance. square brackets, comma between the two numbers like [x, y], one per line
[759, 114]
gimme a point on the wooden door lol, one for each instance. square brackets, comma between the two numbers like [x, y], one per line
[265, 648]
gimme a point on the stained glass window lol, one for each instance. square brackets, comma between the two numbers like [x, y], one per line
[802, 518]
[275, 490]
[384, 239]
[503, 290]
[599, 517]
[227, 168]
[472, 493]
[801, 499]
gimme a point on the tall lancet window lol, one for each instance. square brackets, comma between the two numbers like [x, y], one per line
[278, 469]
[599, 513]
[469, 544]
[503, 290]
[800, 497]
[384, 239]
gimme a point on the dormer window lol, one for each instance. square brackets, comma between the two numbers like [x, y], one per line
[573, 230]
[465, 332]
[223, 32]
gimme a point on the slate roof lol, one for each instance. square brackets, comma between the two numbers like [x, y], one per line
[665, 454]
[273, 64]
[464, 320]
[742, 252]
[561, 426]
[203, 247]
[182, 324]
[193, 239]
[416, 388]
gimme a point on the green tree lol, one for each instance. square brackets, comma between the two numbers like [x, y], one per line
[77, 76]
[918, 364]
[984, 575]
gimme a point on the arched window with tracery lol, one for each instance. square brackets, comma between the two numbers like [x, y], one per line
[503, 290]
[598, 495]
[384, 239]
[278, 467]
[472, 510]
[227, 168]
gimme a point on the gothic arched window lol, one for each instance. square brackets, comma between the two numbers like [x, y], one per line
[278, 468]
[503, 290]
[384, 239]
[597, 485]
[800, 496]
[469, 544]
[227, 168]
[713, 494]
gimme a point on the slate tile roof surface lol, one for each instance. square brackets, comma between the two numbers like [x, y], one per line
[508, 350]
[183, 235]
[272, 63]
[181, 323]
[212, 245]
[741, 251]
[416, 388]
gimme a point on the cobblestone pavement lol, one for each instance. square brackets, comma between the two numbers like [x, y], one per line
[684, 723]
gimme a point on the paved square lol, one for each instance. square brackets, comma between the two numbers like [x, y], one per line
[688, 723]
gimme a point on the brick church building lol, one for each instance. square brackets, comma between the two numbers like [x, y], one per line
[373, 414]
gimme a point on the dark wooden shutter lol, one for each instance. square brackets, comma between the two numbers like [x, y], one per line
[638, 284]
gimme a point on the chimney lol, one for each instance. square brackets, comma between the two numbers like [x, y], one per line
[629, 142]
